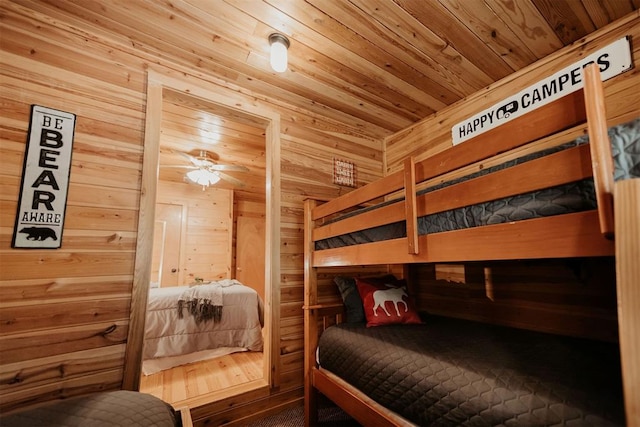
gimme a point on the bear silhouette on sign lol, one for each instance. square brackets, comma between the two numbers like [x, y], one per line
[39, 233]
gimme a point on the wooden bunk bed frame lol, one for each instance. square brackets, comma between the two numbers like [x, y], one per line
[583, 234]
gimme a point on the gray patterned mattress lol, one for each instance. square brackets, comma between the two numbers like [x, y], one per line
[573, 197]
[109, 409]
[450, 372]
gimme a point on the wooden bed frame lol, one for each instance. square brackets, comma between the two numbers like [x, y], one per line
[583, 234]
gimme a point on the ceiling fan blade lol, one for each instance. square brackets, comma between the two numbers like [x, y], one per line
[185, 155]
[180, 166]
[231, 179]
[191, 159]
[237, 168]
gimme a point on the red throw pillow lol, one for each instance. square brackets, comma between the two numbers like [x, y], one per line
[386, 303]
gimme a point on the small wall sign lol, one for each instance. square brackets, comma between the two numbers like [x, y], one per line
[45, 179]
[344, 173]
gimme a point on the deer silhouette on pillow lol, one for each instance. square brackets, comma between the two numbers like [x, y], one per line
[393, 295]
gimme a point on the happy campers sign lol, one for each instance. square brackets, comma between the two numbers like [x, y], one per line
[45, 179]
[612, 60]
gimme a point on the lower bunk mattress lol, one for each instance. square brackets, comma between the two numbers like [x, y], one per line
[568, 198]
[451, 372]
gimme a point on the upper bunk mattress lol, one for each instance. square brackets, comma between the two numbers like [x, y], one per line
[568, 198]
[454, 372]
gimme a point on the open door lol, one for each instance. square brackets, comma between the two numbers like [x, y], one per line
[169, 220]
[250, 252]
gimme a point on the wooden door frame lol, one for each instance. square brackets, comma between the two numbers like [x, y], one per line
[157, 83]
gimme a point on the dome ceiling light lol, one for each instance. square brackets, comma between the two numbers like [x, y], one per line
[279, 46]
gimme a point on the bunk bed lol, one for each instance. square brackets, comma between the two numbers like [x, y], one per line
[584, 230]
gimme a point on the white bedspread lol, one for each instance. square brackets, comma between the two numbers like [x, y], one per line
[168, 335]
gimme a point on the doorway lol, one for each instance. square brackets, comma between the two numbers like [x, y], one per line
[159, 87]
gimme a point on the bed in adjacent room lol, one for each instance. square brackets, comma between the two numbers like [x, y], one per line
[221, 317]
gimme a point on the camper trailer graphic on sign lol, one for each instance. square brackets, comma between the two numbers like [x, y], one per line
[45, 180]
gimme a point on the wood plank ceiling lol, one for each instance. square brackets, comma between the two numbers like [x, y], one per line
[381, 64]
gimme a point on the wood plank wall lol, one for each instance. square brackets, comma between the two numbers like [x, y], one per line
[64, 313]
[575, 297]
[553, 296]
[206, 244]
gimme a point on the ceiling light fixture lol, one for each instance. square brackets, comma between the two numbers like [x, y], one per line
[203, 177]
[279, 45]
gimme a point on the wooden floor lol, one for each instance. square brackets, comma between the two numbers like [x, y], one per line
[209, 376]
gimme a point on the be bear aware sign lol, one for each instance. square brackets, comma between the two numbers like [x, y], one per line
[45, 179]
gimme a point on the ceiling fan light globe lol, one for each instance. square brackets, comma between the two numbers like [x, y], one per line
[203, 177]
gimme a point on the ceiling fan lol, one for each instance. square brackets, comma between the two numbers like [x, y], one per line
[205, 171]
